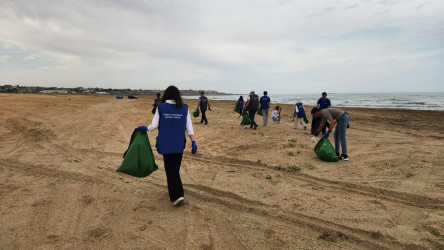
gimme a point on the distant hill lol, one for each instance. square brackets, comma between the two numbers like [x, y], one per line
[57, 90]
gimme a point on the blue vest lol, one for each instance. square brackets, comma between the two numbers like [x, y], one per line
[301, 110]
[172, 125]
[265, 101]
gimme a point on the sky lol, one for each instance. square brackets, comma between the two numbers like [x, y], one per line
[232, 46]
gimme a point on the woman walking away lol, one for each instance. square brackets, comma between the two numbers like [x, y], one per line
[172, 118]
[240, 105]
[276, 115]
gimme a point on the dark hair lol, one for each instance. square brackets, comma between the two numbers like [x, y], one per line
[277, 108]
[241, 98]
[158, 94]
[201, 92]
[265, 92]
[172, 93]
[314, 110]
[324, 93]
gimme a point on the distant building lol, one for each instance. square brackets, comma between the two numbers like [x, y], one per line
[54, 91]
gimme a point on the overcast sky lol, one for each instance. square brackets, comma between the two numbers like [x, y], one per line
[283, 46]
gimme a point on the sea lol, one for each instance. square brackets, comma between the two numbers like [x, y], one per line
[404, 100]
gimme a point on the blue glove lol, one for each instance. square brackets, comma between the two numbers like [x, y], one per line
[245, 109]
[327, 134]
[316, 133]
[194, 147]
[142, 128]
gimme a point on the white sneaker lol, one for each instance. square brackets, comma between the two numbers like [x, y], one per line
[178, 202]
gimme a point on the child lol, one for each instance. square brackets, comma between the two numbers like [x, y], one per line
[276, 115]
[300, 113]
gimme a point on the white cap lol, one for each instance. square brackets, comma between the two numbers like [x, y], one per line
[298, 99]
[252, 91]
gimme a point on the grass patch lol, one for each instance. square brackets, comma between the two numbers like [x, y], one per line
[432, 230]
[292, 140]
[298, 152]
[268, 177]
[291, 145]
[408, 175]
[293, 168]
[258, 161]
[375, 235]
[261, 133]
[327, 237]
[290, 153]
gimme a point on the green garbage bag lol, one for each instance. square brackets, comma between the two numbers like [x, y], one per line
[259, 112]
[245, 118]
[196, 113]
[305, 119]
[325, 151]
[139, 158]
[236, 109]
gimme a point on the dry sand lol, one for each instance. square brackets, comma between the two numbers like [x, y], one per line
[243, 189]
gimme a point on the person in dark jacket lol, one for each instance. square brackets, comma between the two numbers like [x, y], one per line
[265, 105]
[172, 118]
[252, 106]
[203, 104]
[240, 105]
[156, 102]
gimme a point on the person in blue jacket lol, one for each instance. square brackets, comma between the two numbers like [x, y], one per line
[172, 118]
[300, 113]
[323, 102]
[265, 105]
[240, 105]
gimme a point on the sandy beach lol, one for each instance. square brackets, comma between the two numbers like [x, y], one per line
[244, 189]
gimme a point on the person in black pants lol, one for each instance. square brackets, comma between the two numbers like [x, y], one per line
[252, 106]
[203, 104]
[172, 118]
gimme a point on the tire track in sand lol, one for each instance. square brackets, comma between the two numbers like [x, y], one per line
[211, 198]
[373, 192]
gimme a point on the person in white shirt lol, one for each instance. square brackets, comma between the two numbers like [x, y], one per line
[276, 115]
[172, 119]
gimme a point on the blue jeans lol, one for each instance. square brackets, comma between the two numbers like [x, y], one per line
[340, 131]
[251, 114]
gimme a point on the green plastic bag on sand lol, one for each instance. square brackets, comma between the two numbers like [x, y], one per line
[325, 151]
[305, 119]
[138, 159]
[196, 113]
[236, 109]
[245, 119]
[259, 112]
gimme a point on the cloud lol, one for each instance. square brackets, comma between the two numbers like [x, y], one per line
[4, 57]
[351, 6]
[422, 5]
[219, 45]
